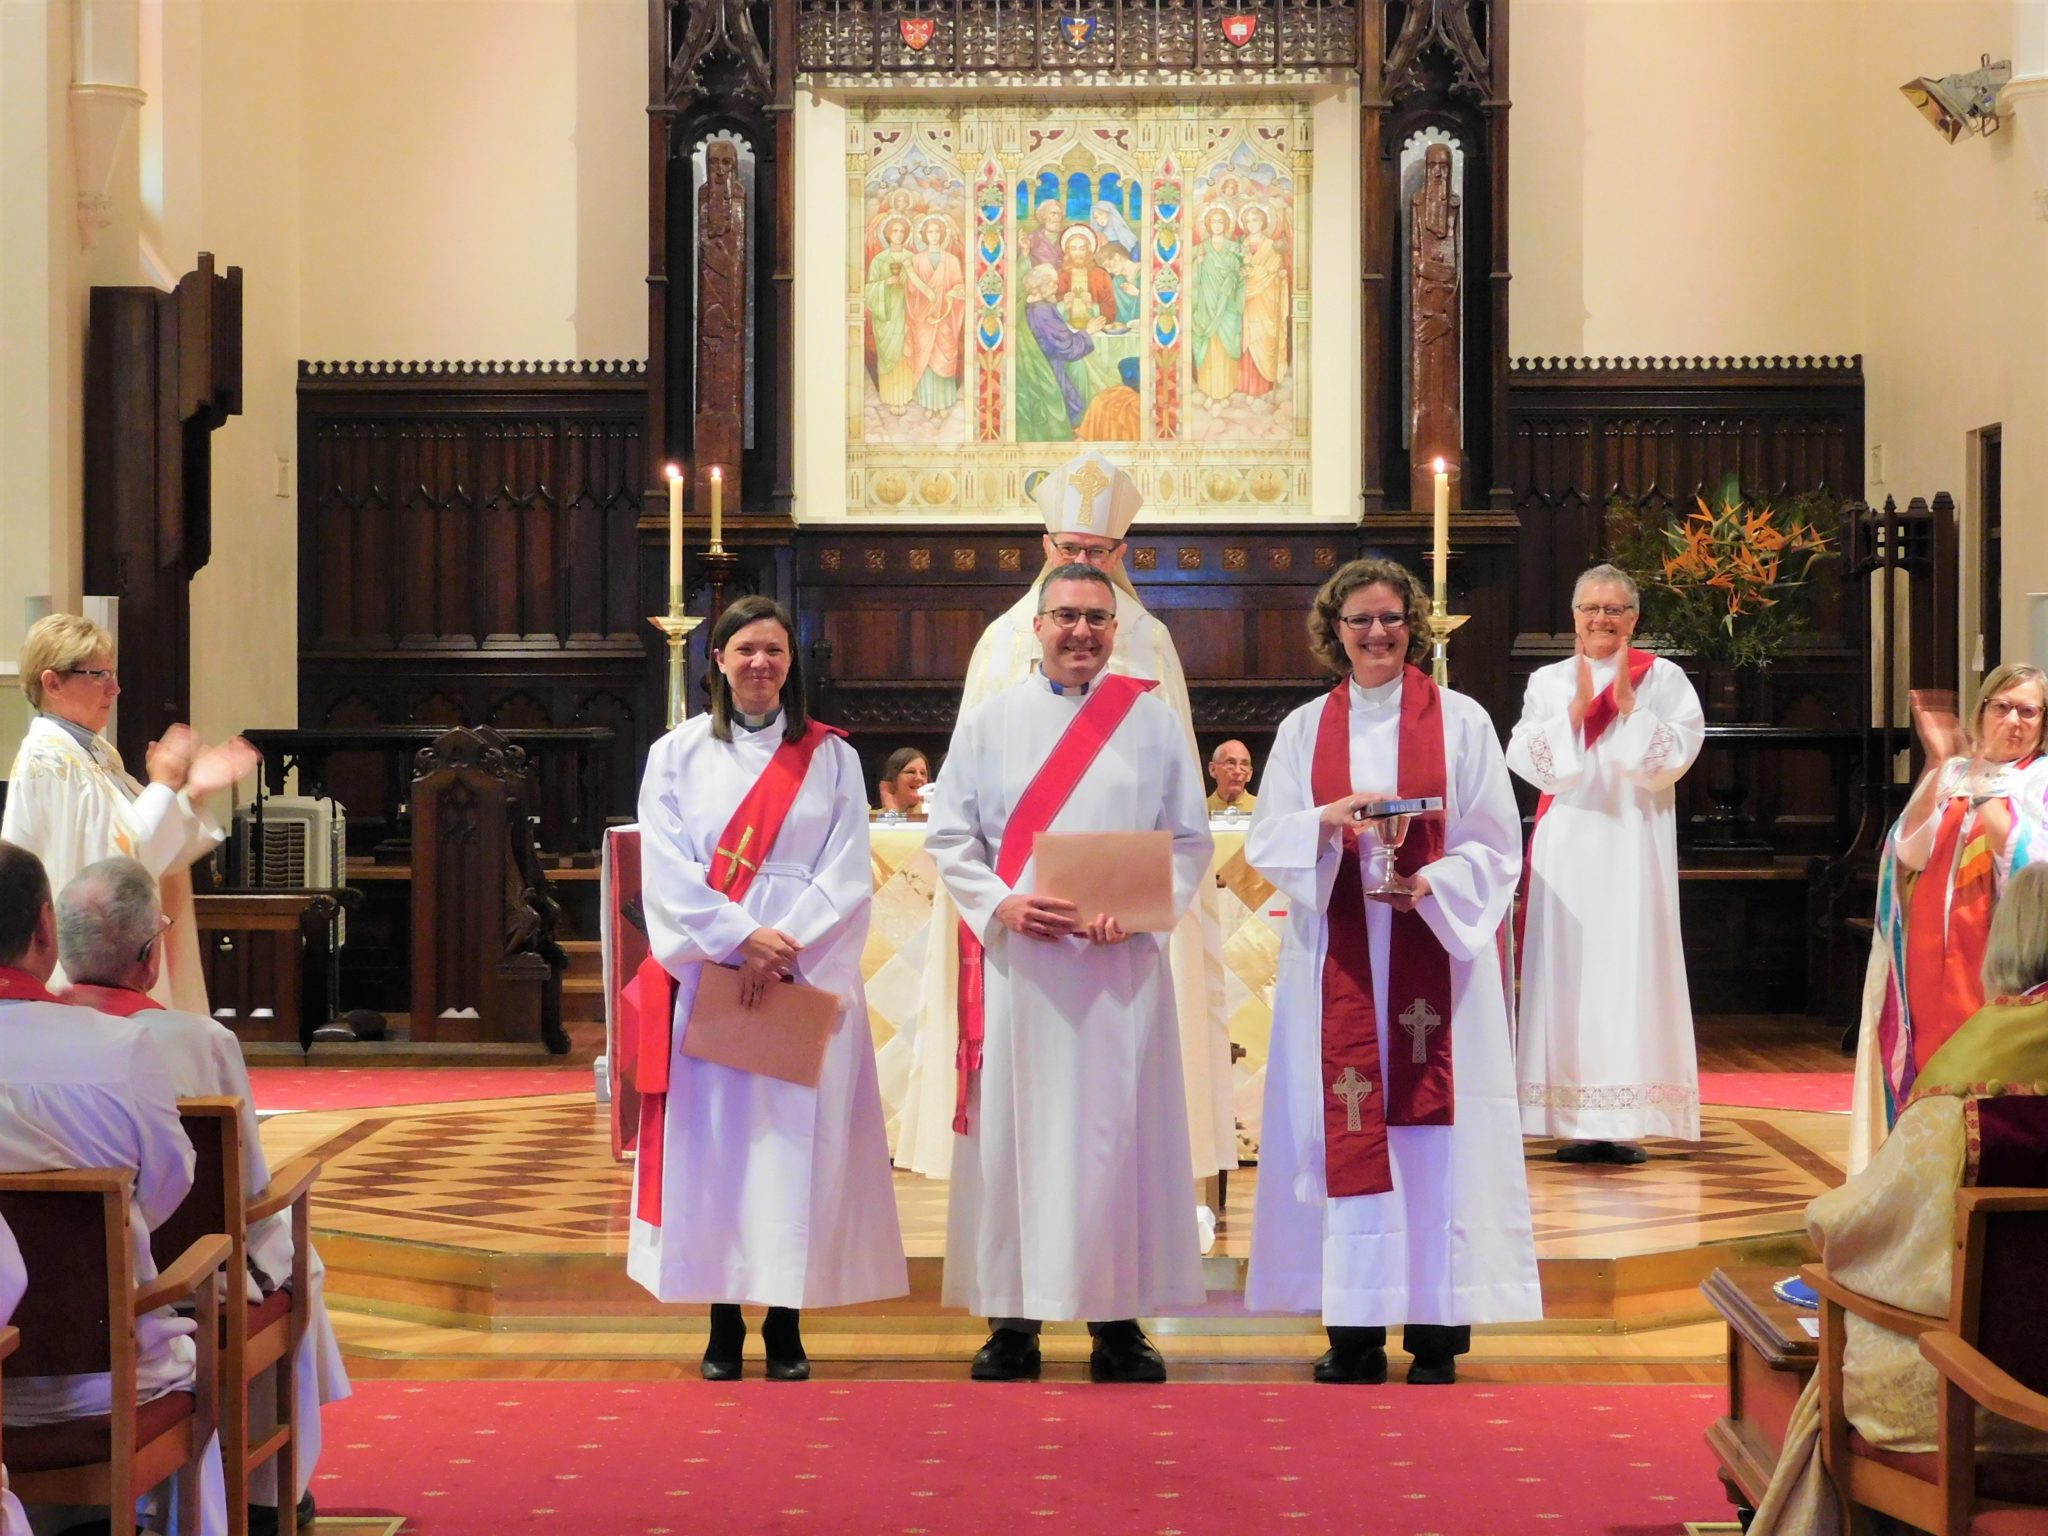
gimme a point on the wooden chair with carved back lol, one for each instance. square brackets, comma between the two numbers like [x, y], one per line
[255, 1336]
[1991, 1351]
[78, 1318]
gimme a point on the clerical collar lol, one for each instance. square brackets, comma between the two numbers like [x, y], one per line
[90, 740]
[1076, 689]
[1379, 693]
[747, 722]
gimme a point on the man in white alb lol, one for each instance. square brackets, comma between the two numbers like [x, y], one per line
[82, 1089]
[109, 932]
[1605, 1046]
[1069, 1193]
[1088, 506]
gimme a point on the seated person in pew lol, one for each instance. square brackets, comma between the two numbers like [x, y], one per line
[1230, 770]
[1889, 1233]
[82, 1089]
[13, 1282]
[109, 928]
[903, 775]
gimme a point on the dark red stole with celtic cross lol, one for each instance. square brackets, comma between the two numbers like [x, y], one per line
[1362, 1096]
[650, 999]
[1110, 699]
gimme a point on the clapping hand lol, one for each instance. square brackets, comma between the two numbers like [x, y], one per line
[1624, 685]
[1582, 694]
[169, 759]
[219, 767]
[1934, 718]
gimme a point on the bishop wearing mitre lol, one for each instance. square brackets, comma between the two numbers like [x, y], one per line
[1088, 506]
[1070, 1170]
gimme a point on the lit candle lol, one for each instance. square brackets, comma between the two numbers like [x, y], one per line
[675, 535]
[1443, 526]
[717, 506]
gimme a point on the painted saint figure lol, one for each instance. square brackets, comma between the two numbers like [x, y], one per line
[1049, 400]
[1267, 299]
[1216, 316]
[935, 310]
[887, 299]
[1042, 242]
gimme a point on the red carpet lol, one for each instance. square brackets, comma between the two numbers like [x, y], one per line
[1779, 1090]
[938, 1458]
[287, 1088]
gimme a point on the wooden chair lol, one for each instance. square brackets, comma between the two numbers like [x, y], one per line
[78, 1318]
[1991, 1351]
[254, 1336]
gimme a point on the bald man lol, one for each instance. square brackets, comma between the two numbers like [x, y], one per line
[1230, 768]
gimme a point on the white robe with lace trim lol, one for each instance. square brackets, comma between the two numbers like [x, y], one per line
[1070, 1189]
[1452, 1241]
[1007, 653]
[772, 1193]
[1605, 1043]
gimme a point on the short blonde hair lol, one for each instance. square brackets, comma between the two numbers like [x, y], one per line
[2016, 958]
[59, 642]
[2002, 679]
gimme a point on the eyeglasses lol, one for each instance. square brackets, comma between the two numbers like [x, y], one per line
[1067, 550]
[142, 954]
[2026, 714]
[106, 677]
[1362, 623]
[1074, 618]
[1605, 610]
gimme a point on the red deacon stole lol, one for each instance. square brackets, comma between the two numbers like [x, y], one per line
[17, 986]
[121, 1002]
[1358, 1102]
[1109, 699]
[650, 999]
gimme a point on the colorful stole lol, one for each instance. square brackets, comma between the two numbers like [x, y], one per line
[1417, 1082]
[121, 1002]
[650, 998]
[17, 986]
[1948, 927]
[1109, 700]
[1600, 714]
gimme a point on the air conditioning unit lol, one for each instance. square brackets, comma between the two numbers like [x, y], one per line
[302, 843]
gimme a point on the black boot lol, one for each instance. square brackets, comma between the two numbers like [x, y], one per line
[785, 1345]
[728, 1338]
[1356, 1357]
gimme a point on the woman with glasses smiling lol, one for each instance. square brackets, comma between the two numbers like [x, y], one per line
[1978, 814]
[71, 803]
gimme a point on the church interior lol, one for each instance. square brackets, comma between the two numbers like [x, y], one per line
[408, 387]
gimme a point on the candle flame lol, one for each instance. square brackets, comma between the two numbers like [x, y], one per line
[717, 473]
[1439, 466]
[674, 472]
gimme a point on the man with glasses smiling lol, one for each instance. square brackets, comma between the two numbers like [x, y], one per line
[1088, 505]
[1605, 1049]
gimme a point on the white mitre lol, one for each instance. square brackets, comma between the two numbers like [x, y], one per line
[1088, 494]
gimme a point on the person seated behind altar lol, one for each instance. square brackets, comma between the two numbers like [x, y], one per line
[1230, 770]
[82, 1089]
[109, 932]
[903, 775]
[1889, 1232]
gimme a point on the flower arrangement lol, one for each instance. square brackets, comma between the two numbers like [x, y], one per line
[1728, 582]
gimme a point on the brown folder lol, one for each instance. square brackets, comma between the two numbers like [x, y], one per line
[782, 1036]
[1129, 875]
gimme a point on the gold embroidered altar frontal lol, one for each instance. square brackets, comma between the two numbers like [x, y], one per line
[1022, 278]
[893, 964]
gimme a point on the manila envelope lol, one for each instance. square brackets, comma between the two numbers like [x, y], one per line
[1129, 875]
[782, 1036]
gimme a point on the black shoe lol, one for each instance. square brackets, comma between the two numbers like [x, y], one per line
[1351, 1367]
[1626, 1154]
[1584, 1151]
[785, 1345]
[1425, 1371]
[1123, 1353]
[728, 1338]
[1009, 1355]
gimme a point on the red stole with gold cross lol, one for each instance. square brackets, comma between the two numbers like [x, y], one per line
[1109, 700]
[736, 858]
[1360, 1100]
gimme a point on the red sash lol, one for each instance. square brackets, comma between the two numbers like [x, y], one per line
[1948, 928]
[1358, 1102]
[17, 986]
[648, 1004]
[1600, 714]
[1108, 701]
[121, 1002]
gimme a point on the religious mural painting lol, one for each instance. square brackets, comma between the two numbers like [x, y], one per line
[1026, 279]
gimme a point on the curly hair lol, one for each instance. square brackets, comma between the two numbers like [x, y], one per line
[1348, 578]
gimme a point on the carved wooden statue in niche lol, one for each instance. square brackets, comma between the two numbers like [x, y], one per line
[721, 321]
[1434, 346]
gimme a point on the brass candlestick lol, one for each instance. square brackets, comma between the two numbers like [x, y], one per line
[718, 564]
[1442, 625]
[676, 625]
